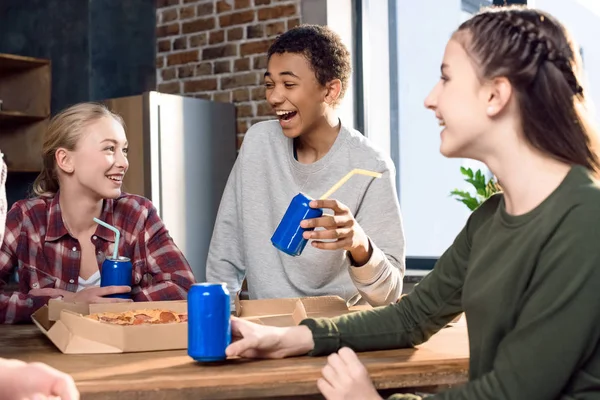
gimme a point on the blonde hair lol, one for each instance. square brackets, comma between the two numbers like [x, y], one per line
[64, 131]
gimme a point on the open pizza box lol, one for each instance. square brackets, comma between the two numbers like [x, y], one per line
[291, 311]
[71, 332]
[67, 326]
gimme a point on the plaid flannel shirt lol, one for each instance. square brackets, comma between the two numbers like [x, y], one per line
[38, 245]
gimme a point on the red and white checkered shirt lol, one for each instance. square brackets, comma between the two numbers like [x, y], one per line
[38, 244]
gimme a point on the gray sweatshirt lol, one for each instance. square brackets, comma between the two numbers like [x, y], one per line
[264, 179]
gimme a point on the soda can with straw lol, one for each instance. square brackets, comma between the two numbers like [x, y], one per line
[116, 270]
[288, 235]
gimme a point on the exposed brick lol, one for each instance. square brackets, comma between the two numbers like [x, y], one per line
[180, 43]
[223, 97]
[239, 4]
[276, 12]
[216, 37]
[239, 95]
[168, 15]
[260, 62]
[166, 3]
[242, 64]
[167, 30]
[203, 69]
[204, 96]
[239, 80]
[186, 71]
[255, 31]
[200, 85]
[235, 34]
[237, 18]
[275, 28]
[243, 110]
[205, 9]
[292, 23]
[187, 12]
[182, 58]
[241, 126]
[199, 40]
[168, 74]
[222, 67]
[164, 45]
[260, 46]
[239, 141]
[169, 87]
[261, 2]
[223, 6]
[198, 25]
[263, 109]
[160, 62]
[226, 50]
[258, 93]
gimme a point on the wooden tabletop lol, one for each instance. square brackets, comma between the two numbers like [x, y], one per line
[172, 374]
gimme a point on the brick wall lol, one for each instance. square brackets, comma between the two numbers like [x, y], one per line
[216, 50]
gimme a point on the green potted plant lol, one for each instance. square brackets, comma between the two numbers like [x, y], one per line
[484, 188]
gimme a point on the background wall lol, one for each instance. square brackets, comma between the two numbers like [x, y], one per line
[99, 49]
[216, 50]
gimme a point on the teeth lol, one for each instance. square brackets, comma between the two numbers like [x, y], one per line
[280, 113]
[115, 178]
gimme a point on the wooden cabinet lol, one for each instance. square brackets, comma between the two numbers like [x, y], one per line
[25, 112]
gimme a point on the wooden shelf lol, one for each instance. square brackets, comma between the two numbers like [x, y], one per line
[11, 61]
[19, 117]
[25, 85]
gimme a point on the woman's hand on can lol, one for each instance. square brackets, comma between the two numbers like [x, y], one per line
[250, 340]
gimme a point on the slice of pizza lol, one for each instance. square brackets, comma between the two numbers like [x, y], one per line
[140, 317]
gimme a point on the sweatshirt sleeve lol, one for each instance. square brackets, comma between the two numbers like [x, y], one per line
[380, 280]
[430, 306]
[557, 329]
[225, 261]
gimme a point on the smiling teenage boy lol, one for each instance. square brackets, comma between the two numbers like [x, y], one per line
[357, 251]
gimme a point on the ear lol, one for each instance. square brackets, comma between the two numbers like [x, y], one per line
[333, 89]
[498, 96]
[64, 160]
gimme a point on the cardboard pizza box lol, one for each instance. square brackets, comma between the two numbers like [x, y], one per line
[66, 325]
[291, 311]
[72, 333]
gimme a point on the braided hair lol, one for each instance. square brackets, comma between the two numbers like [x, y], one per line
[535, 53]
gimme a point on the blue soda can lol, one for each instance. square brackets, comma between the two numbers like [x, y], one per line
[288, 235]
[209, 324]
[116, 273]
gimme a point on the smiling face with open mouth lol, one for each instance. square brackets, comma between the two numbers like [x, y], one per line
[100, 158]
[294, 93]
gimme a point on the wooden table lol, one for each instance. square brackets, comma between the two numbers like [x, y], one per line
[443, 360]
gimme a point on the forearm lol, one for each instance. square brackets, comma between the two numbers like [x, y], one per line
[18, 307]
[380, 279]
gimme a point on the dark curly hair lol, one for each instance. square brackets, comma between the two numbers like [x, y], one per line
[322, 47]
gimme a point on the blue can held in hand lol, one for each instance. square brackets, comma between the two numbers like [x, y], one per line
[209, 324]
[288, 235]
[116, 273]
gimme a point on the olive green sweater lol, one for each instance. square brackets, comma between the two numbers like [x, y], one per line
[530, 289]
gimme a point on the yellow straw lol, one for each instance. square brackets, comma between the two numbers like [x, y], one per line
[345, 179]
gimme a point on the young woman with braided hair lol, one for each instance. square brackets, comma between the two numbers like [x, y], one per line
[526, 267]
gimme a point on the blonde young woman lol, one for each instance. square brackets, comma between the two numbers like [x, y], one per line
[526, 267]
[52, 239]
